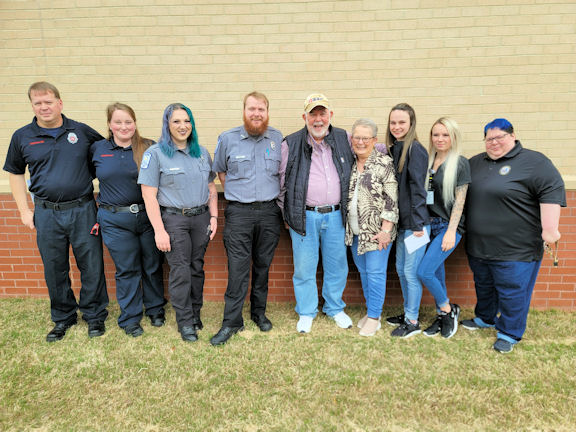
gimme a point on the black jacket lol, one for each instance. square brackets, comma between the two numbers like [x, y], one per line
[298, 173]
[412, 186]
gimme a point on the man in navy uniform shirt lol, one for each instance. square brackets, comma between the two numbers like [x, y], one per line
[56, 151]
[247, 159]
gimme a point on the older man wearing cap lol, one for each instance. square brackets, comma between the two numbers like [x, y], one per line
[314, 176]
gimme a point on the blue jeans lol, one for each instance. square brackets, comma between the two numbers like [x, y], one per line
[325, 232]
[407, 269]
[431, 270]
[129, 238]
[372, 267]
[505, 287]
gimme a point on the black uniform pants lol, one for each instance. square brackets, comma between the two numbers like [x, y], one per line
[189, 237]
[56, 230]
[251, 232]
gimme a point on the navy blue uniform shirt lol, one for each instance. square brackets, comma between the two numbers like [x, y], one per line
[59, 167]
[503, 204]
[117, 173]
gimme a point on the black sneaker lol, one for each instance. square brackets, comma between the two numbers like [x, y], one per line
[435, 328]
[450, 321]
[406, 330]
[395, 320]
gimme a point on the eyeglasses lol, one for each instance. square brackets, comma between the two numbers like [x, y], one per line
[553, 253]
[362, 139]
[497, 138]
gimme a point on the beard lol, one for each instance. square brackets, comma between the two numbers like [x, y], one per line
[255, 130]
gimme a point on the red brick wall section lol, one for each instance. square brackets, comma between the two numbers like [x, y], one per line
[21, 269]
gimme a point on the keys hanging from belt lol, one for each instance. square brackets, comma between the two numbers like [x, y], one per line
[553, 251]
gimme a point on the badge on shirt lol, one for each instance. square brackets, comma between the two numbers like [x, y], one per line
[505, 170]
[145, 161]
[272, 145]
[72, 138]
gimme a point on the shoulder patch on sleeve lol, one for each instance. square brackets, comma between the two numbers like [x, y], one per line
[145, 160]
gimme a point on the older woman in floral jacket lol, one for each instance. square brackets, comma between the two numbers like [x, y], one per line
[372, 215]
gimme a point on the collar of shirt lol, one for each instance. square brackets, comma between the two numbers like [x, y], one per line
[38, 130]
[245, 135]
[113, 146]
[515, 150]
[319, 145]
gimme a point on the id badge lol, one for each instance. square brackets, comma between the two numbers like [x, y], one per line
[430, 197]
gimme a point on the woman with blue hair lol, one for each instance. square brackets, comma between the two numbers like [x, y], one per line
[512, 211]
[182, 205]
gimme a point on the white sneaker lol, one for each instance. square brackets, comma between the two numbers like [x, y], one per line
[304, 324]
[342, 320]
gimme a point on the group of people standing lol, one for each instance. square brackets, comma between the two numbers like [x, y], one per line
[330, 188]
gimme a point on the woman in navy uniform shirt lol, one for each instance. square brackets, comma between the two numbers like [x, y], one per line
[182, 204]
[126, 230]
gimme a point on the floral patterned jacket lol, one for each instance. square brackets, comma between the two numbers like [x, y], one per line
[377, 199]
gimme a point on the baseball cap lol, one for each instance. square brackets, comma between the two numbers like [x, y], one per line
[314, 100]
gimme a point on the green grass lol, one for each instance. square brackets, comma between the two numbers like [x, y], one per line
[328, 380]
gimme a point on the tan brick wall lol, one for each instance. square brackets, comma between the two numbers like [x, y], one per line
[21, 269]
[473, 60]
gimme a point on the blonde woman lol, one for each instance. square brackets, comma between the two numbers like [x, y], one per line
[448, 180]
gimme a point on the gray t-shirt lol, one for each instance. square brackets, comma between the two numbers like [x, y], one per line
[250, 163]
[182, 180]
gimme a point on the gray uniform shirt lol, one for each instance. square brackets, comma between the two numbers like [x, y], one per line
[250, 163]
[182, 180]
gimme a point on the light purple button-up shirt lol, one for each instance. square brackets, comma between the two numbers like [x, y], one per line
[323, 183]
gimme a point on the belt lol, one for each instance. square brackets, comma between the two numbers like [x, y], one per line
[255, 204]
[64, 205]
[132, 208]
[324, 209]
[193, 211]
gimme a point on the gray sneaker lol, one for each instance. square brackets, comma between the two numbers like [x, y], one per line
[450, 321]
[503, 346]
[470, 325]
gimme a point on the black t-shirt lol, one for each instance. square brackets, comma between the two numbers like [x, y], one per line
[439, 208]
[59, 165]
[503, 204]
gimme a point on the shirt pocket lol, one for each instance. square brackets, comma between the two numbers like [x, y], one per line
[174, 179]
[272, 161]
[241, 166]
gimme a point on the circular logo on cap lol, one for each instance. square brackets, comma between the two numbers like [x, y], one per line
[72, 138]
[505, 170]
